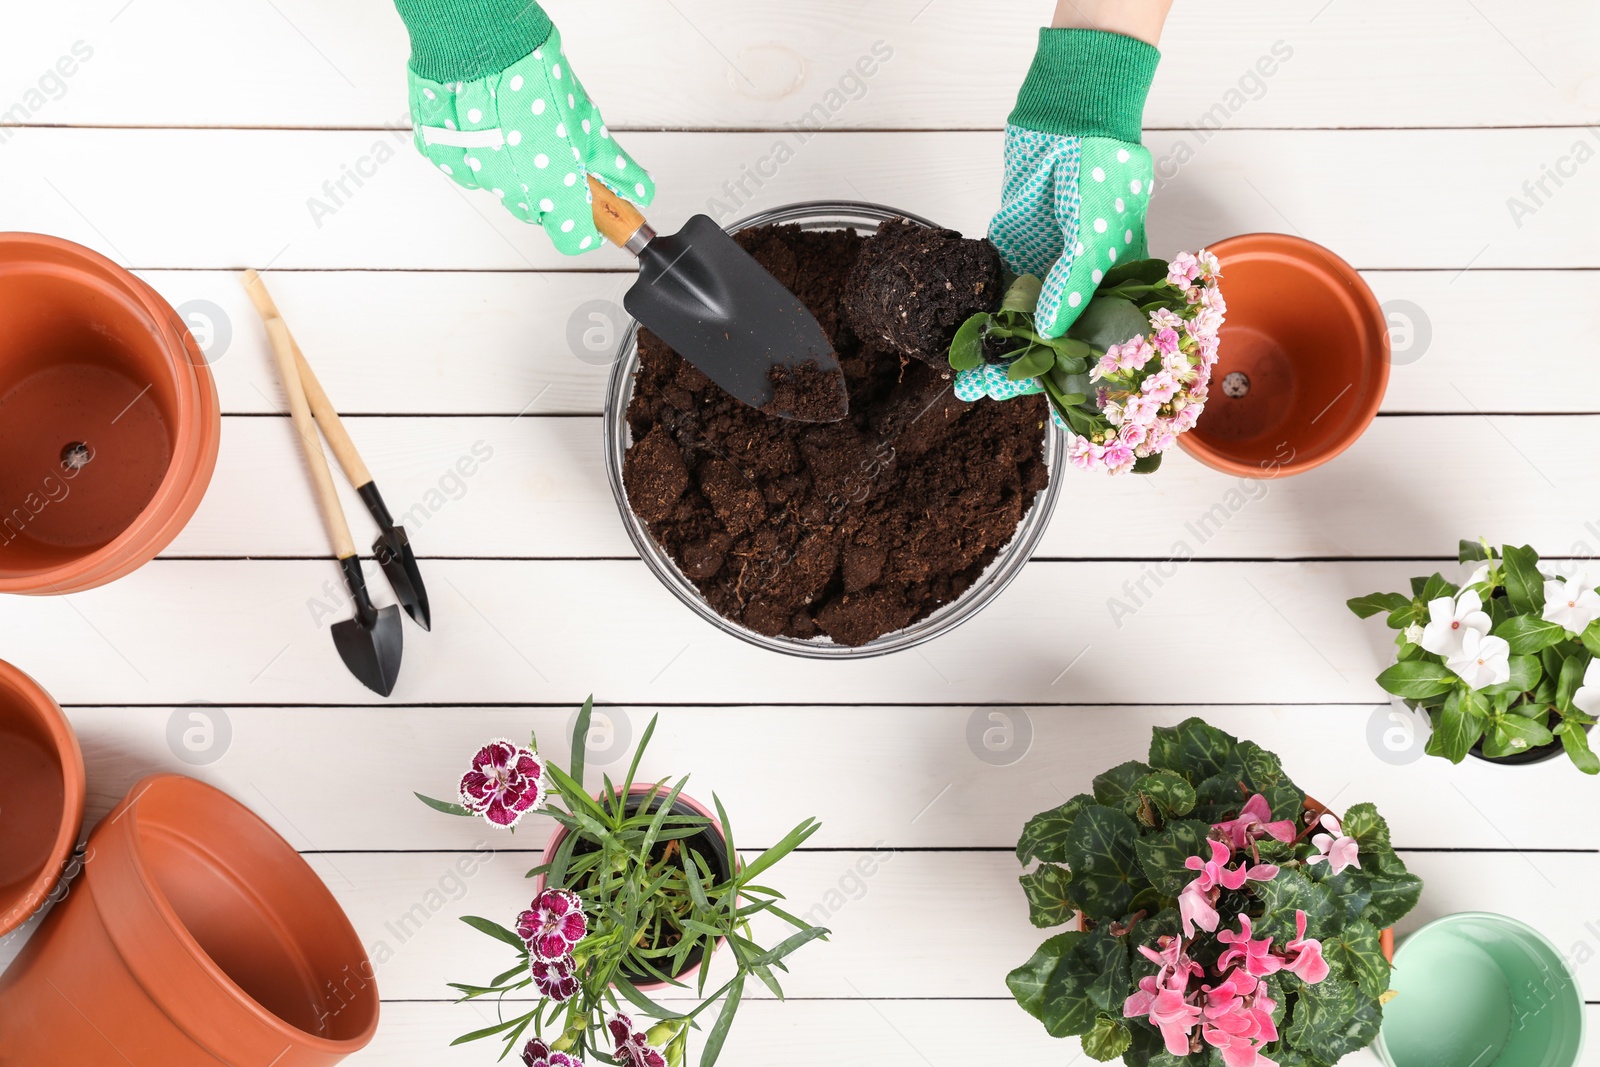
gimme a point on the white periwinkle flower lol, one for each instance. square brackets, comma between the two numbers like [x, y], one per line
[1449, 620]
[1587, 698]
[1482, 660]
[1571, 603]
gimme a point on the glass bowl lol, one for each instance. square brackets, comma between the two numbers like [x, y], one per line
[819, 215]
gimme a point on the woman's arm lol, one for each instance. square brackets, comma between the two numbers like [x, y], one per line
[1142, 19]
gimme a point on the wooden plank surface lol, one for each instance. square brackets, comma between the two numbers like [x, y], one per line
[263, 202]
[727, 63]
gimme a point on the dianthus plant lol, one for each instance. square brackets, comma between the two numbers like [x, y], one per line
[631, 896]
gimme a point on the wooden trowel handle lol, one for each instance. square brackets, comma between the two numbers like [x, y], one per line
[614, 217]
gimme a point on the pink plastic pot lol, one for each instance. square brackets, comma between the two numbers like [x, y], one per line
[685, 805]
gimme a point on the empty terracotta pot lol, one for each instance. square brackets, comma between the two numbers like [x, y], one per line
[195, 936]
[109, 421]
[1304, 359]
[41, 796]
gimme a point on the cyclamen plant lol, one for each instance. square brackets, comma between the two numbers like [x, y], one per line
[1131, 374]
[1503, 664]
[1222, 915]
[628, 900]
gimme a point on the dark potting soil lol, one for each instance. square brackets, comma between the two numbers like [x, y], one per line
[913, 287]
[850, 529]
[806, 392]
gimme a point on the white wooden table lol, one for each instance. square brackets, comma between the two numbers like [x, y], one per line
[188, 145]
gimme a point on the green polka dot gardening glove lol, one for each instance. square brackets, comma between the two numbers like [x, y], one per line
[495, 105]
[1077, 182]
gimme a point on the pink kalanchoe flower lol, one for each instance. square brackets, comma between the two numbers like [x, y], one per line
[1255, 955]
[1165, 319]
[504, 783]
[1133, 434]
[1210, 266]
[1303, 955]
[553, 925]
[1334, 848]
[632, 1048]
[554, 978]
[1141, 409]
[1118, 456]
[1254, 823]
[1085, 455]
[1183, 270]
[1166, 341]
[1160, 387]
[539, 1054]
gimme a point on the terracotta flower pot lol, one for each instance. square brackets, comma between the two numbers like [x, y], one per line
[195, 936]
[41, 796]
[1304, 359]
[109, 420]
[711, 844]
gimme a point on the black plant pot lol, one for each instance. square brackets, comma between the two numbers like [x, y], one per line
[1528, 756]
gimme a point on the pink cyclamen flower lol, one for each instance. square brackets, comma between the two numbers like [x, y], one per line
[1176, 966]
[1334, 848]
[1195, 902]
[1254, 818]
[1255, 955]
[553, 925]
[554, 978]
[504, 783]
[1183, 270]
[1303, 955]
[539, 1054]
[632, 1048]
[1167, 1011]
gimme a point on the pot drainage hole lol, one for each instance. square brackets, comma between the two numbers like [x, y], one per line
[1236, 385]
[75, 456]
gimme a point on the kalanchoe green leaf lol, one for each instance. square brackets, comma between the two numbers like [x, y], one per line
[1108, 1039]
[1045, 835]
[1108, 322]
[1148, 464]
[1034, 361]
[1023, 295]
[1046, 889]
[966, 351]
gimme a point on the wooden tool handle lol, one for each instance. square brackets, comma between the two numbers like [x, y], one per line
[614, 217]
[344, 449]
[344, 545]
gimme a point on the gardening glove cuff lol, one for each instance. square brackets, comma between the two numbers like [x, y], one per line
[464, 40]
[1087, 83]
[530, 135]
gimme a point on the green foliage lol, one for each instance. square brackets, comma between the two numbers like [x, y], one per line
[1533, 708]
[1119, 856]
[655, 903]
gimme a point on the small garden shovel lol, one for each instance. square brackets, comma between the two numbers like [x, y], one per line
[370, 644]
[722, 311]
